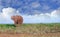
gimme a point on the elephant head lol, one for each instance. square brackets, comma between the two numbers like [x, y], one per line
[17, 19]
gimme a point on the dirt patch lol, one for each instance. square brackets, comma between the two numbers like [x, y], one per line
[30, 35]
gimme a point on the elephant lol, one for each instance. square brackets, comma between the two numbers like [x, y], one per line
[18, 20]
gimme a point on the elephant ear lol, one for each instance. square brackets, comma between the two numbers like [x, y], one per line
[12, 17]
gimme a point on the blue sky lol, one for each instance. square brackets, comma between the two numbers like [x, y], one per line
[33, 11]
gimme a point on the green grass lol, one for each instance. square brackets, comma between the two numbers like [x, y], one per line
[30, 28]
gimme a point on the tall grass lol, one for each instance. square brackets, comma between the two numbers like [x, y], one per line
[30, 28]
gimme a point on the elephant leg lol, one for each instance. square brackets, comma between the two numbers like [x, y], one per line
[15, 22]
[19, 22]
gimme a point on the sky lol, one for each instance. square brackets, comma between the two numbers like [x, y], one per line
[32, 11]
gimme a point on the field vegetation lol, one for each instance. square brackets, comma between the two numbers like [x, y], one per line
[31, 28]
[47, 28]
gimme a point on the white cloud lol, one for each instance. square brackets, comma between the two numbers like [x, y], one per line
[6, 14]
[1, 7]
[55, 13]
[35, 5]
[9, 11]
[54, 16]
[42, 18]
[45, 7]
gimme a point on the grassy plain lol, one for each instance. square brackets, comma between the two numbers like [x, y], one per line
[35, 30]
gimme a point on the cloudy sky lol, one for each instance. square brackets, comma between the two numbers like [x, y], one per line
[32, 11]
